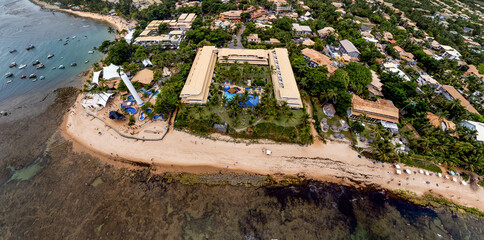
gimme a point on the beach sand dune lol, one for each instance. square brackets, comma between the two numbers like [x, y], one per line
[333, 162]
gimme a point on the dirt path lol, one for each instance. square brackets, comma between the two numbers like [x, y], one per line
[314, 133]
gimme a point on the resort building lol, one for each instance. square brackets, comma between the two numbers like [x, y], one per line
[450, 93]
[392, 67]
[318, 59]
[197, 85]
[251, 56]
[347, 47]
[150, 35]
[200, 76]
[232, 15]
[381, 111]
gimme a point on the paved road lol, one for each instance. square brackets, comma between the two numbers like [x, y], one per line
[239, 39]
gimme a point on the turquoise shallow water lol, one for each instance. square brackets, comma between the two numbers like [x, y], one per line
[22, 23]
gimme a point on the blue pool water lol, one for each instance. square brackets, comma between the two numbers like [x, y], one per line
[252, 102]
[131, 110]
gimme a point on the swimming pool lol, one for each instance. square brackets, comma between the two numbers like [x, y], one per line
[131, 110]
[251, 103]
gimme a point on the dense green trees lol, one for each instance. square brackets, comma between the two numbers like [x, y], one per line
[359, 76]
[119, 52]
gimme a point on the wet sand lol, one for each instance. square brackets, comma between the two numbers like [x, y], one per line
[334, 162]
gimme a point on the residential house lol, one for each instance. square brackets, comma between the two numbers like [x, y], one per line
[254, 38]
[365, 29]
[450, 53]
[387, 36]
[441, 122]
[392, 67]
[425, 79]
[450, 93]
[308, 42]
[375, 87]
[318, 59]
[435, 45]
[301, 29]
[325, 32]
[475, 126]
[382, 111]
[347, 47]
[281, 5]
[472, 71]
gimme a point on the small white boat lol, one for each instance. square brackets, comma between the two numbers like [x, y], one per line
[34, 80]
[54, 68]
[13, 64]
[22, 66]
[41, 77]
[9, 74]
[13, 50]
[86, 61]
[9, 81]
[91, 52]
[73, 37]
[50, 56]
[61, 67]
[60, 39]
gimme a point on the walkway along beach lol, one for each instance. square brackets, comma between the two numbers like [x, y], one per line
[333, 162]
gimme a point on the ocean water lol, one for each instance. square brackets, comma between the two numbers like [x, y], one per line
[23, 23]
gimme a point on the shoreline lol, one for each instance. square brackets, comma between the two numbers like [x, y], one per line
[117, 22]
[182, 152]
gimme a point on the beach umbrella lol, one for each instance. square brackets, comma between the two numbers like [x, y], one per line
[427, 173]
[439, 174]
[463, 183]
[399, 172]
[446, 177]
[408, 171]
[397, 166]
[452, 173]
[454, 179]
[421, 171]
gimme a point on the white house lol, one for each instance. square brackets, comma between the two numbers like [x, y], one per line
[301, 29]
[475, 126]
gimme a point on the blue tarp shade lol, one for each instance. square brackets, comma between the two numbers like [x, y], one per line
[116, 116]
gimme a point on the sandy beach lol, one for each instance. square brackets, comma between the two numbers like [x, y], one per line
[183, 152]
[116, 21]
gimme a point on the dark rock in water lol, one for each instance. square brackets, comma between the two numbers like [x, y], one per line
[3, 113]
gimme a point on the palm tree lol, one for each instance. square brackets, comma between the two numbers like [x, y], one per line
[111, 30]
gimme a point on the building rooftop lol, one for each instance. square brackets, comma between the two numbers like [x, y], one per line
[319, 59]
[463, 101]
[198, 81]
[441, 122]
[300, 28]
[348, 46]
[382, 109]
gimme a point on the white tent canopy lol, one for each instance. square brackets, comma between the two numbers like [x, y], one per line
[95, 101]
[129, 36]
[408, 171]
[147, 63]
[397, 166]
[399, 172]
[95, 77]
[110, 72]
